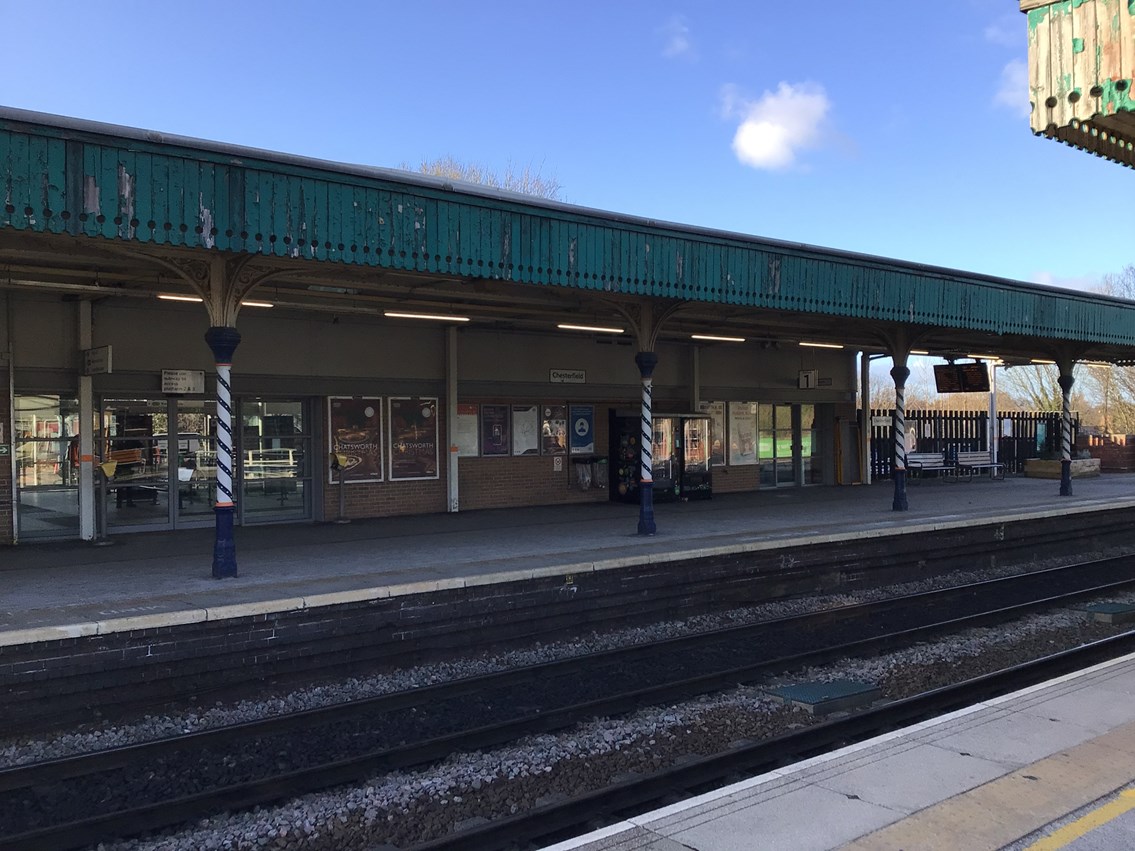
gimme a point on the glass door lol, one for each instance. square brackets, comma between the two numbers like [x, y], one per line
[133, 438]
[274, 460]
[782, 447]
[46, 446]
[192, 448]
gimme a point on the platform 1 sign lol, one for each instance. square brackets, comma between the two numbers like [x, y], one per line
[180, 382]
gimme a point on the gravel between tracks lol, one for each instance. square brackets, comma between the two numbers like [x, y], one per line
[406, 807]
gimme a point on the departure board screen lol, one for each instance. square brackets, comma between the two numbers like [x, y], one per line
[962, 377]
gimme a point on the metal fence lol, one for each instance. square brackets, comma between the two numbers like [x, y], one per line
[1023, 434]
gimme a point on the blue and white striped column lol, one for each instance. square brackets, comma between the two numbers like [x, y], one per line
[223, 341]
[646, 362]
[898, 426]
[1065, 381]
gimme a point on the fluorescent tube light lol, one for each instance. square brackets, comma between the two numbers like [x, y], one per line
[1041, 360]
[918, 352]
[257, 304]
[717, 339]
[597, 328]
[438, 316]
[822, 345]
[168, 297]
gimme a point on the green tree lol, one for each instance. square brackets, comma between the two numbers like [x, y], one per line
[526, 181]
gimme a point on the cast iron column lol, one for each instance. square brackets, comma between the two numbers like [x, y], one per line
[223, 341]
[1065, 381]
[898, 426]
[646, 362]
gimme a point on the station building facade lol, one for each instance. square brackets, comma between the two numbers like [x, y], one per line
[193, 330]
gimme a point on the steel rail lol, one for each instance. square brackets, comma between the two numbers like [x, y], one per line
[564, 820]
[262, 791]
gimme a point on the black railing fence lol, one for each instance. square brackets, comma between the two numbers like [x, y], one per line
[1022, 435]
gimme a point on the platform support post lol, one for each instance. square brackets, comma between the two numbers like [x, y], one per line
[223, 341]
[900, 373]
[1065, 381]
[646, 362]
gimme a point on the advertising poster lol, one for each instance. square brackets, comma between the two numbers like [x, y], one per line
[716, 411]
[413, 438]
[495, 433]
[554, 430]
[582, 429]
[355, 427]
[742, 433]
[465, 430]
[525, 430]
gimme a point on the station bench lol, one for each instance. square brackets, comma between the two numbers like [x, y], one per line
[971, 463]
[921, 463]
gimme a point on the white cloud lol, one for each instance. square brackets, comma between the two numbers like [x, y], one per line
[1013, 90]
[776, 127]
[1007, 31]
[1067, 282]
[678, 43]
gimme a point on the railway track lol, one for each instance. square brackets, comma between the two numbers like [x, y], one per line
[563, 820]
[72, 802]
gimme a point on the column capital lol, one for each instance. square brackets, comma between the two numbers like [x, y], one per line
[646, 362]
[223, 341]
[900, 374]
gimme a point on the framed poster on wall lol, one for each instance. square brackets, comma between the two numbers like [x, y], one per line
[742, 433]
[413, 438]
[354, 424]
[496, 435]
[525, 430]
[582, 429]
[465, 430]
[716, 411]
[554, 430]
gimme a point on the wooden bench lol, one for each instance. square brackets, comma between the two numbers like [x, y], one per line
[970, 463]
[920, 463]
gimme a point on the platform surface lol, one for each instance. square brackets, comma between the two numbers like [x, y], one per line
[1049, 767]
[58, 590]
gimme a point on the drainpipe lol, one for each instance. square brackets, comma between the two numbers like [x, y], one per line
[87, 495]
[451, 483]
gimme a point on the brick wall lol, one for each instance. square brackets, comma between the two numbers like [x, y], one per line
[736, 479]
[1116, 451]
[7, 514]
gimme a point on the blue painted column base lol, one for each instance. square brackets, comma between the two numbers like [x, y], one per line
[646, 509]
[224, 550]
[900, 503]
[1065, 478]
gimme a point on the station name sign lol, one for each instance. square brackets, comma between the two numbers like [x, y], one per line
[176, 382]
[567, 376]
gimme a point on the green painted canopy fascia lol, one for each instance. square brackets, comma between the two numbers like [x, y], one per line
[65, 176]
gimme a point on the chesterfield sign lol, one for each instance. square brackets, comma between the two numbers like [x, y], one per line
[567, 376]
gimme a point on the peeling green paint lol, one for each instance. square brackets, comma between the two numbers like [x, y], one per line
[1116, 99]
[1077, 45]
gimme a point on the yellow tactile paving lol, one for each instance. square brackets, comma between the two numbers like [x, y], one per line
[1003, 810]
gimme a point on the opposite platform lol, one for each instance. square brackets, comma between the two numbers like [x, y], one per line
[52, 591]
[1043, 768]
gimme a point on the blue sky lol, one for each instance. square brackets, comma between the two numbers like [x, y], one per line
[889, 127]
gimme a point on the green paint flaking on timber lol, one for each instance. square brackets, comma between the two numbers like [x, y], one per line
[285, 201]
[1077, 45]
[1113, 100]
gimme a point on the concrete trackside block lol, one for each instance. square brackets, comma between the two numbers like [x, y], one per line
[156, 620]
[244, 610]
[1111, 612]
[36, 634]
[824, 698]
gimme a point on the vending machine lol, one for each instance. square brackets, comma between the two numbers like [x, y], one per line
[680, 464]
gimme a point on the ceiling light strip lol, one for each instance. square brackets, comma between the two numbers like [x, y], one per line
[821, 345]
[716, 338]
[599, 329]
[440, 317]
